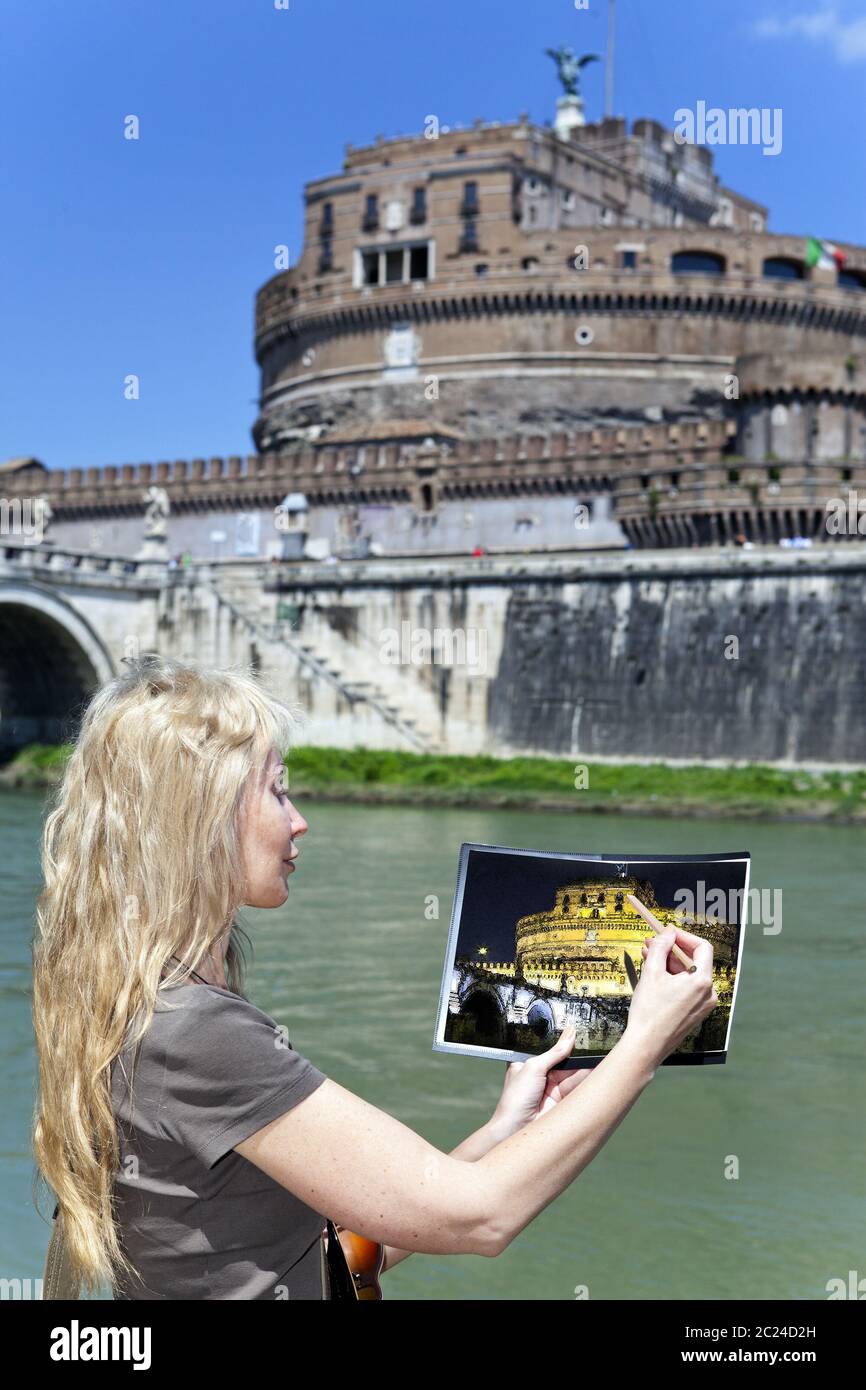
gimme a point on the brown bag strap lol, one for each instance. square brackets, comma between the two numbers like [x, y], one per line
[58, 1281]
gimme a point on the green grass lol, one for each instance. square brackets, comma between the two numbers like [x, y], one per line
[362, 773]
[40, 758]
[730, 789]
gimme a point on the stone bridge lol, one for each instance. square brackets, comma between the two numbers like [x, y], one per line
[703, 655]
[499, 1010]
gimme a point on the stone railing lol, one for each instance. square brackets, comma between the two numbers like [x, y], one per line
[43, 557]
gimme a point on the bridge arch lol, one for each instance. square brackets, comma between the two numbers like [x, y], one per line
[541, 1020]
[484, 1015]
[51, 661]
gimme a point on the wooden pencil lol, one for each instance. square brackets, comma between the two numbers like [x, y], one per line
[657, 927]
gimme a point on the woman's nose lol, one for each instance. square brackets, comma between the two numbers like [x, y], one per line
[299, 825]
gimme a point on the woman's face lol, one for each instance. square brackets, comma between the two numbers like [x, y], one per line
[267, 839]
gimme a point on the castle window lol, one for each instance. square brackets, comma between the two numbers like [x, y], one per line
[418, 211]
[852, 279]
[565, 902]
[371, 214]
[529, 263]
[595, 912]
[391, 265]
[418, 262]
[327, 225]
[469, 239]
[697, 263]
[481, 269]
[629, 260]
[469, 207]
[600, 898]
[326, 255]
[618, 902]
[783, 268]
[583, 900]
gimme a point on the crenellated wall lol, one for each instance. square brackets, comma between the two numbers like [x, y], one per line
[660, 485]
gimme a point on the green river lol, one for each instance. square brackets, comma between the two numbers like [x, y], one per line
[352, 965]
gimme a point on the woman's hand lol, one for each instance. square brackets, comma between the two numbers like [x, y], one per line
[669, 1002]
[533, 1087]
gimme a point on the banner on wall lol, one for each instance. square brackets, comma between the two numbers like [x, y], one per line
[247, 533]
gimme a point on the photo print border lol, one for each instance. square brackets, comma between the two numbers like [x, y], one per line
[634, 863]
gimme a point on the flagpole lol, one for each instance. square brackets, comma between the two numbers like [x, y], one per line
[608, 75]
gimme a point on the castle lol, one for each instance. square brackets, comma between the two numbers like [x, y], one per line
[513, 338]
[569, 966]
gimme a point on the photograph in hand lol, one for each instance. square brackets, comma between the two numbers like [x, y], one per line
[540, 940]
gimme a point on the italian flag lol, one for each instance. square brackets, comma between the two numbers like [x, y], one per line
[824, 254]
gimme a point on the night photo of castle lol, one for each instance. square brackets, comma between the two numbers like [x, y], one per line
[567, 962]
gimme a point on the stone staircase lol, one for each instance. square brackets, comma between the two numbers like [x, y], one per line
[398, 710]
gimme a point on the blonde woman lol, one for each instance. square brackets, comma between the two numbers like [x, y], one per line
[193, 1152]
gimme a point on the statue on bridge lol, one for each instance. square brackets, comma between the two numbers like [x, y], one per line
[155, 544]
[43, 513]
[156, 512]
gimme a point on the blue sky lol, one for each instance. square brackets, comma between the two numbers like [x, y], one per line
[144, 256]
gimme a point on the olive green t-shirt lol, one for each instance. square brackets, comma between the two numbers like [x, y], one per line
[196, 1220]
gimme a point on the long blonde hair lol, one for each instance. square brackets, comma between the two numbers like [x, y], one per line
[141, 857]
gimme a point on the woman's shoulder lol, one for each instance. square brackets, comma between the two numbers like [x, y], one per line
[195, 991]
[199, 1009]
[204, 998]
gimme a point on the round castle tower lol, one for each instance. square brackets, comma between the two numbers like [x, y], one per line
[511, 279]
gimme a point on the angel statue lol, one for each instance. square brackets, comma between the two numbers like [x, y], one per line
[156, 511]
[569, 65]
[43, 512]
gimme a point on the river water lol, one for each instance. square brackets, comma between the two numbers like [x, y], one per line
[352, 965]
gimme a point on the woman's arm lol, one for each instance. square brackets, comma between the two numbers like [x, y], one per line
[377, 1177]
[491, 1137]
[471, 1149]
[374, 1175]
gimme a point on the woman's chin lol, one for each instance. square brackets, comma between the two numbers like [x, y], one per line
[281, 893]
[272, 897]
